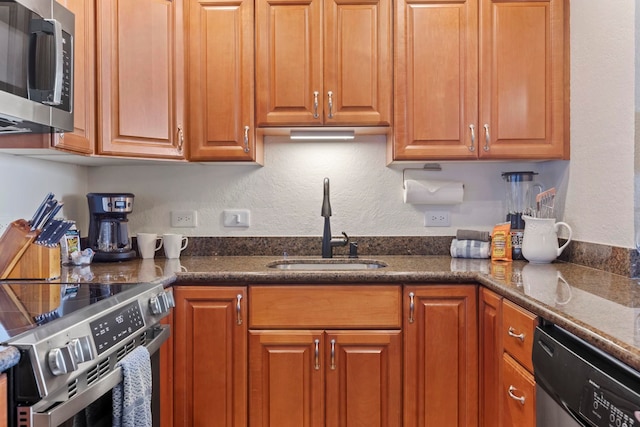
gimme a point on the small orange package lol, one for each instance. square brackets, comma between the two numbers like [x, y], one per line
[501, 242]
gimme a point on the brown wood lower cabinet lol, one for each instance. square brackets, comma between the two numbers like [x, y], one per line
[304, 371]
[507, 385]
[321, 378]
[383, 355]
[210, 357]
[440, 356]
[3, 400]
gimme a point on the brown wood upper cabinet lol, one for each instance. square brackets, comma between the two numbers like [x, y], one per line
[480, 79]
[220, 46]
[323, 62]
[140, 78]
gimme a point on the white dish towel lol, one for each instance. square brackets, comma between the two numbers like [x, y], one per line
[132, 397]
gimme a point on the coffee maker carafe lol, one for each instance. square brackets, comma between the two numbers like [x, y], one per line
[108, 226]
[520, 200]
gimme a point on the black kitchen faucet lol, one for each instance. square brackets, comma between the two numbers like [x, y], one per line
[327, 241]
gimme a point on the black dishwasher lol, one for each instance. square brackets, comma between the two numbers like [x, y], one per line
[579, 385]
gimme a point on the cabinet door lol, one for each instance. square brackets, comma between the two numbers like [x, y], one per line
[140, 78]
[3, 401]
[363, 378]
[221, 80]
[436, 79]
[358, 68]
[518, 395]
[82, 139]
[166, 376]
[490, 358]
[522, 79]
[210, 378]
[440, 356]
[289, 81]
[286, 378]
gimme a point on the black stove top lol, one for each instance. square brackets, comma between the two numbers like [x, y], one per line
[27, 305]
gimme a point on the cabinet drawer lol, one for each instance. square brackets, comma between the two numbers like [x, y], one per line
[358, 306]
[519, 394]
[517, 333]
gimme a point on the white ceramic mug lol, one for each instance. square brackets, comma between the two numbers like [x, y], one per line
[174, 244]
[148, 244]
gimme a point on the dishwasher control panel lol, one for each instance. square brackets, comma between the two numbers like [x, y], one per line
[604, 407]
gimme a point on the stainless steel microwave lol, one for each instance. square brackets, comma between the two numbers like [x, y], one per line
[36, 67]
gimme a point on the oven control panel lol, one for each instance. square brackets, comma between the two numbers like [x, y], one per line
[116, 326]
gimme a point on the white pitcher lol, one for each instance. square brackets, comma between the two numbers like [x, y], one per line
[540, 240]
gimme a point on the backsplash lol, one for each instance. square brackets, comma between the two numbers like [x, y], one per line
[616, 260]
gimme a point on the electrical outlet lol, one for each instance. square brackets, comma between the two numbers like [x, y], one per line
[437, 219]
[184, 219]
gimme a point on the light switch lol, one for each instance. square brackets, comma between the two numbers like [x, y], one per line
[236, 218]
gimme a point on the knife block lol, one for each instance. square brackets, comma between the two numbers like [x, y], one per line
[38, 263]
[20, 258]
[14, 242]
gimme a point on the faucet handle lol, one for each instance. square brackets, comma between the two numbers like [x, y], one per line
[346, 238]
[353, 250]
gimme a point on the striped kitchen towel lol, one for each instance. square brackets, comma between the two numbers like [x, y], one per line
[470, 249]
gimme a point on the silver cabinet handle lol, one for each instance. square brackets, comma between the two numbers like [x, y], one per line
[512, 333]
[315, 104]
[333, 355]
[317, 355]
[330, 95]
[180, 138]
[520, 399]
[238, 309]
[246, 139]
[472, 146]
[411, 306]
[486, 137]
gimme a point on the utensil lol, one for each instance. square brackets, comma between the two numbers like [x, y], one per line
[545, 203]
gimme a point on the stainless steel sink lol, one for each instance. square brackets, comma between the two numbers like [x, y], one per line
[326, 264]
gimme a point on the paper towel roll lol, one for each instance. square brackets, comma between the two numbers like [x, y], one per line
[431, 192]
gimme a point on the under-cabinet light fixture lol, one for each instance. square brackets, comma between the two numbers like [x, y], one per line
[322, 135]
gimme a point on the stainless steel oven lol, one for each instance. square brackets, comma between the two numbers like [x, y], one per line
[579, 385]
[71, 338]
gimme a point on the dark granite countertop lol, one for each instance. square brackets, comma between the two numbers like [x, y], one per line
[600, 307]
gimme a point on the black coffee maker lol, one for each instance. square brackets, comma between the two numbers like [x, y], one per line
[108, 226]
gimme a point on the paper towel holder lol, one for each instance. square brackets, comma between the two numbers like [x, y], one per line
[430, 167]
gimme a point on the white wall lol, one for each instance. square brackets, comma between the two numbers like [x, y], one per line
[285, 196]
[596, 186]
[24, 182]
[600, 179]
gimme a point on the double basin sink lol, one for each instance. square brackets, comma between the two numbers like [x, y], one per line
[326, 264]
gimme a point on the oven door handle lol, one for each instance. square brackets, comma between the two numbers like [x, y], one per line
[62, 412]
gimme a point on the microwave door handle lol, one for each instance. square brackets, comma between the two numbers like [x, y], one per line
[53, 27]
[59, 43]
